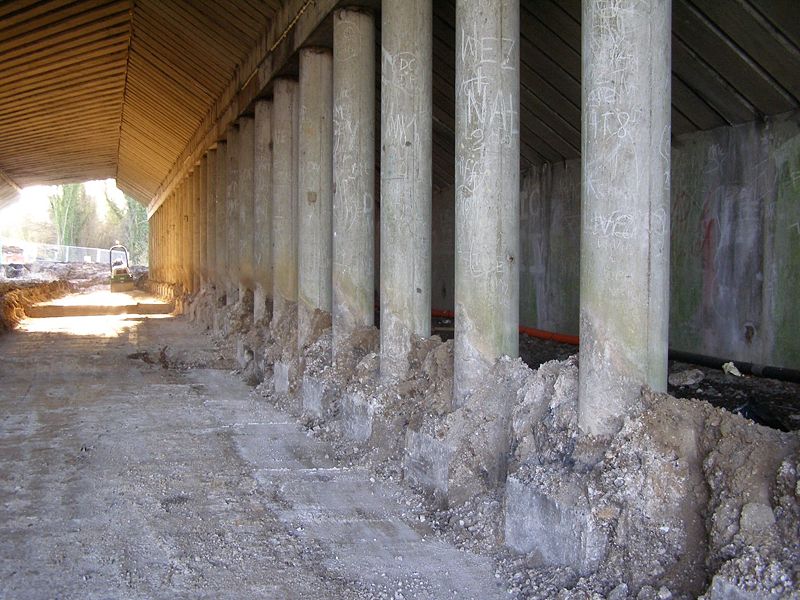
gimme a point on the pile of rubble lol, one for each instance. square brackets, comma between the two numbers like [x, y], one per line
[686, 500]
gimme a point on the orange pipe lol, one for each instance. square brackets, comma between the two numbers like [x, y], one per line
[562, 338]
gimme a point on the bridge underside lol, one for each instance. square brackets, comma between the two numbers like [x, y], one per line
[323, 177]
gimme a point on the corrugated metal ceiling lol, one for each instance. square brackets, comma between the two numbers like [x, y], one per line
[117, 88]
[113, 88]
[733, 61]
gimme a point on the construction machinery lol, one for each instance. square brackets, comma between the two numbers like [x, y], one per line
[121, 278]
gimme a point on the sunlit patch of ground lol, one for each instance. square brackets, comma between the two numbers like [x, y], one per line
[108, 326]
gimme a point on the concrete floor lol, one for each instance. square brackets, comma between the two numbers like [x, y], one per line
[120, 478]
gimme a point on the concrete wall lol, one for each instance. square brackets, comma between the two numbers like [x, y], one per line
[735, 258]
[736, 242]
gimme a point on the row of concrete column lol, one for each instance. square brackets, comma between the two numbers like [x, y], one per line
[283, 208]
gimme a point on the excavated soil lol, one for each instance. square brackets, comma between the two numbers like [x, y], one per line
[766, 401]
[16, 298]
[689, 500]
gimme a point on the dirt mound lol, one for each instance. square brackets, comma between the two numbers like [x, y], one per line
[15, 298]
[686, 495]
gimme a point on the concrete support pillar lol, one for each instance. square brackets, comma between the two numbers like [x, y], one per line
[157, 239]
[152, 228]
[262, 209]
[202, 214]
[487, 189]
[186, 235]
[625, 207]
[196, 221]
[284, 194]
[353, 171]
[175, 235]
[169, 240]
[151, 245]
[177, 219]
[245, 198]
[232, 212]
[211, 215]
[406, 164]
[191, 230]
[315, 185]
[175, 276]
[220, 227]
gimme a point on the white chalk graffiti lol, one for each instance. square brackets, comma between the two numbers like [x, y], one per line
[400, 70]
[487, 50]
[401, 127]
[616, 225]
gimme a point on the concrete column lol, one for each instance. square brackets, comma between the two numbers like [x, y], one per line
[163, 252]
[175, 274]
[245, 198]
[211, 216]
[284, 194]
[202, 207]
[196, 221]
[186, 235]
[151, 224]
[169, 237]
[159, 245]
[152, 228]
[406, 163]
[232, 215]
[221, 213]
[487, 188]
[353, 171]
[625, 207]
[262, 209]
[177, 219]
[191, 229]
[315, 185]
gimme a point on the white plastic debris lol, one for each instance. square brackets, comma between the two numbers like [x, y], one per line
[731, 369]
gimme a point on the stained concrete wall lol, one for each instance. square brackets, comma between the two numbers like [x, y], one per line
[735, 247]
[736, 242]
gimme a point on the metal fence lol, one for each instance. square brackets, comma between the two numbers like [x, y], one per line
[15, 251]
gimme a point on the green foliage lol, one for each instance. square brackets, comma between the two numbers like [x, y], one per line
[70, 213]
[138, 231]
[76, 223]
[132, 228]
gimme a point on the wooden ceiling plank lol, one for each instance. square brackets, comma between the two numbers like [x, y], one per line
[761, 44]
[11, 14]
[70, 82]
[56, 19]
[707, 40]
[92, 60]
[198, 30]
[161, 38]
[693, 106]
[215, 71]
[551, 45]
[180, 78]
[112, 34]
[782, 15]
[75, 30]
[709, 85]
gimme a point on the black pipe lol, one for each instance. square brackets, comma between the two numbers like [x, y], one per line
[713, 362]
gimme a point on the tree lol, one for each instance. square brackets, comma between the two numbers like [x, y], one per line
[69, 212]
[134, 228]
